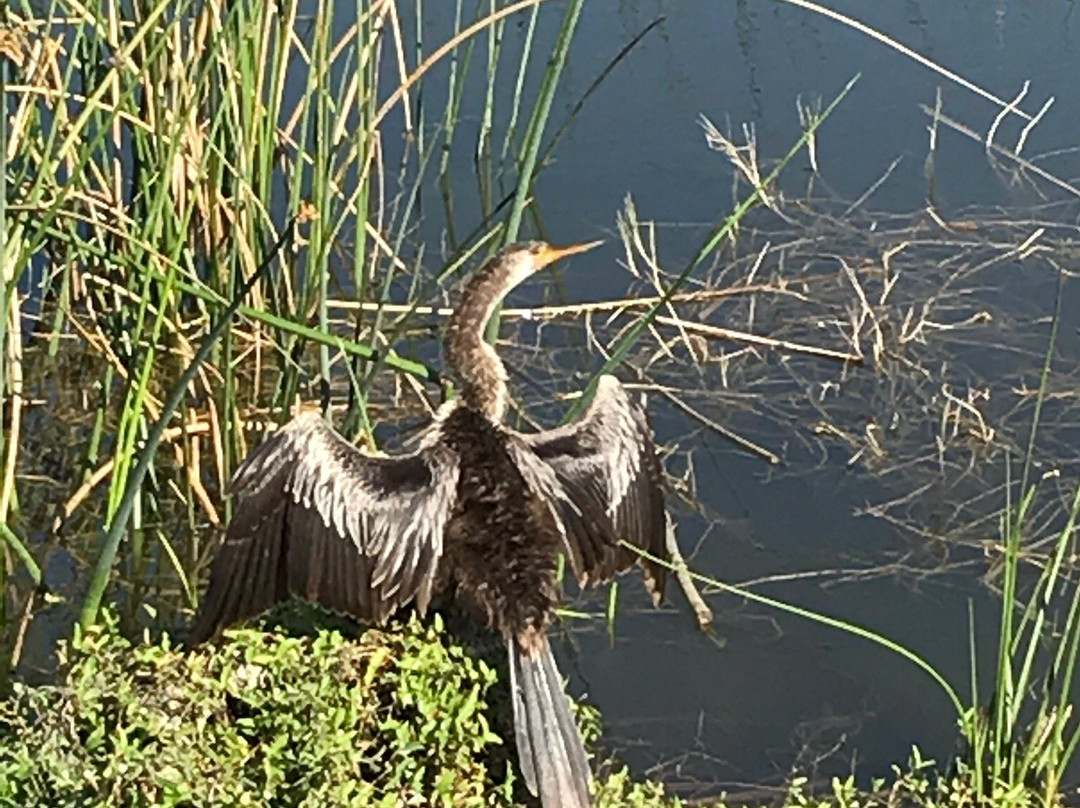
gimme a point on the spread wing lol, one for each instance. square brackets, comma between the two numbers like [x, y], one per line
[319, 519]
[610, 476]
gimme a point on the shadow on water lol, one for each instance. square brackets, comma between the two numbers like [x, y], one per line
[882, 508]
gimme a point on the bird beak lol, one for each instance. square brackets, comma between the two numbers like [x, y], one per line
[553, 254]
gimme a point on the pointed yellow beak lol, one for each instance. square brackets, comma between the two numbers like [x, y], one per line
[552, 254]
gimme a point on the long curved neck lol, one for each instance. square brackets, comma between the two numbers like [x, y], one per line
[477, 368]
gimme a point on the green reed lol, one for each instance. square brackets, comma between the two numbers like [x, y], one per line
[158, 151]
[723, 230]
[1024, 740]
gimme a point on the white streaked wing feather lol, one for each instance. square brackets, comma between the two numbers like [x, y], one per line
[359, 532]
[606, 464]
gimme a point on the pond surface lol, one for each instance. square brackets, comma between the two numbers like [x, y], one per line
[770, 691]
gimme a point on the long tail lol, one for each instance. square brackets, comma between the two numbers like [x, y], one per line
[550, 749]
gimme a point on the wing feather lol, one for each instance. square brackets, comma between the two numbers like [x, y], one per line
[609, 480]
[322, 520]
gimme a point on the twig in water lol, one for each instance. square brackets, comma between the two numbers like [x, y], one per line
[702, 612]
[738, 440]
[717, 332]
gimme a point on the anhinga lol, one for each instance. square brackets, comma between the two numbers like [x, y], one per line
[478, 509]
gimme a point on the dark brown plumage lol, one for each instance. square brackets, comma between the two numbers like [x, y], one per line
[478, 509]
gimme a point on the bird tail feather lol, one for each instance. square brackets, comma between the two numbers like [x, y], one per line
[550, 749]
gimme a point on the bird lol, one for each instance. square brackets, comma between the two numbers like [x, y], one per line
[479, 510]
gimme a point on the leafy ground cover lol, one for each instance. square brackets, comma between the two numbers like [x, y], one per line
[403, 716]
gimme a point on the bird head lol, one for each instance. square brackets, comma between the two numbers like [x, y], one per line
[525, 258]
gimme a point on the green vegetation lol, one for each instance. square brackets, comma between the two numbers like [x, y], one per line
[161, 157]
[399, 716]
[404, 713]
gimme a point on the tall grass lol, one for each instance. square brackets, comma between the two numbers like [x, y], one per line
[1022, 743]
[155, 154]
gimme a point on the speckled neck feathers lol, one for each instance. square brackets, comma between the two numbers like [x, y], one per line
[476, 367]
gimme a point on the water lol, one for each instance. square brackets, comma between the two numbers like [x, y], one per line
[773, 691]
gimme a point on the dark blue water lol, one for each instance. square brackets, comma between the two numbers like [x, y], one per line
[771, 691]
